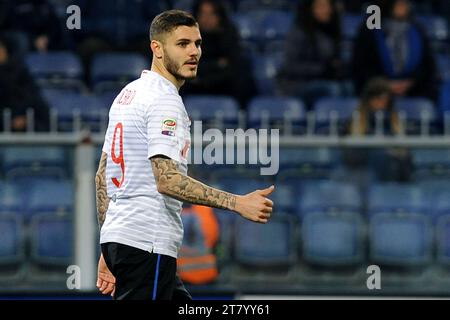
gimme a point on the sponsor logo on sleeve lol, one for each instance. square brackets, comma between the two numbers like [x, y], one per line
[168, 127]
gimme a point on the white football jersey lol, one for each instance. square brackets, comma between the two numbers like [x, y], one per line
[147, 118]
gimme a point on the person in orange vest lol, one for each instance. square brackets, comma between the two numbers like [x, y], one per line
[197, 263]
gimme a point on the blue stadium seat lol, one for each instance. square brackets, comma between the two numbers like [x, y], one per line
[276, 24]
[284, 196]
[92, 110]
[265, 69]
[435, 26]
[248, 26]
[441, 206]
[56, 69]
[400, 240]
[224, 109]
[52, 240]
[417, 110]
[60, 201]
[12, 198]
[11, 240]
[443, 240]
[107, 98]
[316, 162]
[264, 245]
[328, 109]
[396, 197]
[250, 5]
[346, 53]
[333, 239]
[105, 75]
[350, 25]
[31, 160]
[444, 97]
[278, 110]
[325, 195]
[443, 66]
[263, 25]
[437, 195]
[429, 163]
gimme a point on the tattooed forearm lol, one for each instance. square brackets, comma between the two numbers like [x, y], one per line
[176, 185]
[100, 191]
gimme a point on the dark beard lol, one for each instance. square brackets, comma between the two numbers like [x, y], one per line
[173, 68]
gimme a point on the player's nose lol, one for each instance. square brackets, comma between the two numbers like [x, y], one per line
[194, 51]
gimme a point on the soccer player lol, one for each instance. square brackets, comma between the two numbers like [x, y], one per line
[142, 175]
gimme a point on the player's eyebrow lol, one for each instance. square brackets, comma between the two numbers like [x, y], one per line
[189, 40]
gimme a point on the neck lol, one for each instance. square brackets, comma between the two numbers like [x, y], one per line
[161, 70]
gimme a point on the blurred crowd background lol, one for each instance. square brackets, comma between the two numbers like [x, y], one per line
[302, 49]
[310, 68]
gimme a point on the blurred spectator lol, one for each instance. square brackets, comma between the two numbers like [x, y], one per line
[35, 21]
[222, 70]
[312, 61]
[376, 97]
[18, 93]
[388, 163]
[399, 51]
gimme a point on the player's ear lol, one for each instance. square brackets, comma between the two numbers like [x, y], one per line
[156, 47]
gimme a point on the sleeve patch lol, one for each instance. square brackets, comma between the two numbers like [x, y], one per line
[168, 127]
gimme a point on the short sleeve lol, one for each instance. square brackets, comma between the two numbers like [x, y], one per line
[164, 127]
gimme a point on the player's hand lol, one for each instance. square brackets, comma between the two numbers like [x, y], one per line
[106, 282]
[255, 206]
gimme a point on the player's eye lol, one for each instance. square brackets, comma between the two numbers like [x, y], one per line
[183, 44]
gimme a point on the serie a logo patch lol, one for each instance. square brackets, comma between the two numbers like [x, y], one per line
[168, 127]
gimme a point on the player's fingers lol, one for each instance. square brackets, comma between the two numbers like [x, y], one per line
[268, 202]
[99, 284]
[267, 210]
[113, 292]
[109, 288]
[107, 277]
[262, 220]
[267, 191]
[104, 285]
[264, 215]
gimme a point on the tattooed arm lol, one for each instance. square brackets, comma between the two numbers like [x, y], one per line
[100, 191]
[253, 206]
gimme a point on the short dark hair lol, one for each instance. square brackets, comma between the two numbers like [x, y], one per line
[166, 21]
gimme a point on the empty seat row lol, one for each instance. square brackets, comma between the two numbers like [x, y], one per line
[282, 112]
[295, 163]
[328, 239]
[49, 236]
[29, 197]
[338, 239]
[262, 111]
[303, 197]
[259, 25]
[64, 70]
